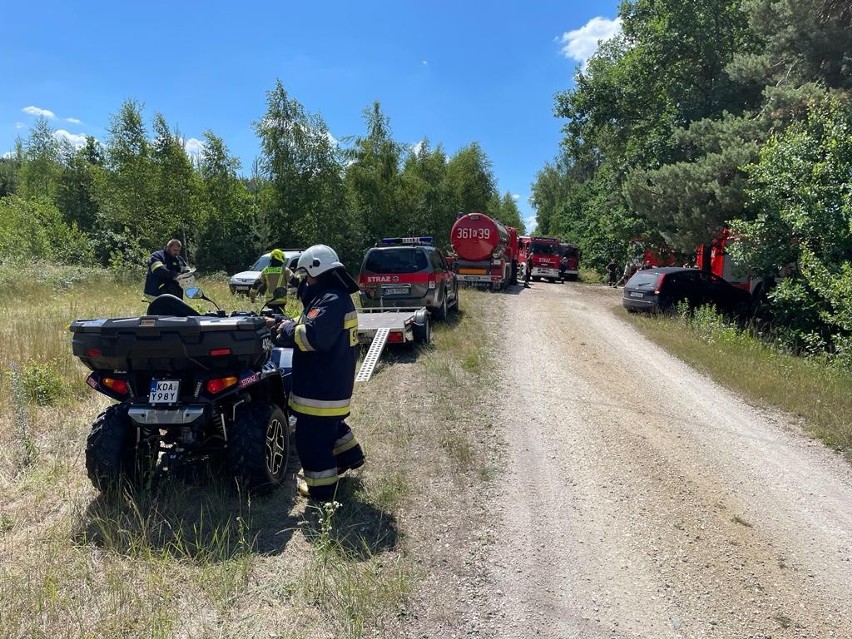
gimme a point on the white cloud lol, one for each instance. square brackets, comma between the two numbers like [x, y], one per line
[73, 120]
[516, 197]
[417, 148]
[20, 125]
[425, 63]
[193, 147]
[34, 110]
[581, 44]
[8, 155]
[530, 223]
[77, 140]
[331, 138]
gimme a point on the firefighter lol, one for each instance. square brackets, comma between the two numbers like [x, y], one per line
[164, 271]
[325, 341]
[274, 279]
[527, 270]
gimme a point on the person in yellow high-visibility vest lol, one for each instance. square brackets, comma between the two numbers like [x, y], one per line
[275, 278]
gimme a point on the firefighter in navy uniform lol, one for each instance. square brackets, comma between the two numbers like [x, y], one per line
[275, 279]
[325, 341]
[164, 270]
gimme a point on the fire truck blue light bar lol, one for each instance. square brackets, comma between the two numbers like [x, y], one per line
[423, 239]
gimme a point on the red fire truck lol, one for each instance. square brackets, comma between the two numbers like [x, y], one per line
[544, 256]
[486, 251]
[570, 255]
[714, 258]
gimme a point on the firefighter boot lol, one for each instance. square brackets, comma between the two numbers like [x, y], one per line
[315, 437]
[347, 450]
[302, 485]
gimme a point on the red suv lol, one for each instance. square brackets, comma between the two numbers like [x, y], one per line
[408, 272]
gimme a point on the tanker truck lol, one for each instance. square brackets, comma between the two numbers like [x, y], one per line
[486, 251]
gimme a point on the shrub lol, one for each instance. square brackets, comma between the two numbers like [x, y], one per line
[34, 230]
[42, 382]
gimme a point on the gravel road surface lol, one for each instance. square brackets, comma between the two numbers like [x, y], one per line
[641, 499]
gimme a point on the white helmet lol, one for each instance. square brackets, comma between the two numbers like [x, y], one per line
[318, 259]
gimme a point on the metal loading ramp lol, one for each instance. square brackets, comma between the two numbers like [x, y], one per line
[379, 327]
[372, 356]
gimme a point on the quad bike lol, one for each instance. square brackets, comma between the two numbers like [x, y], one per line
[190, 388]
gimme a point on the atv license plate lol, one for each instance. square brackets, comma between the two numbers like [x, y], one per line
[164, 391]
[395, 291]
[637, 295]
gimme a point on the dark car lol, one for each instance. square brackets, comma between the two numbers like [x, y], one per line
[661, 289]
[408, 272]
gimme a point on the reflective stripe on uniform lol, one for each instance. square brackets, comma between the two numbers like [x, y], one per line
[350, 320]
[301, 338]
[321, 477]
[345, 443]
[271, 272]
[149, 298]
[319, 407]
[156, 265]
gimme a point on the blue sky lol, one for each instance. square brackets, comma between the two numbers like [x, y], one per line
[452, 72]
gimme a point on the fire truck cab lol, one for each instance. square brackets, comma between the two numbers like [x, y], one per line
[714, 258]
[569, 261]
[543, 254]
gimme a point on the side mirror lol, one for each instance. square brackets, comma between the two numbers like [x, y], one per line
[194, 293]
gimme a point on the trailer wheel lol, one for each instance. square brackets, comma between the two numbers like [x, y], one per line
[422, 328]
[113, 456]
[259, 446]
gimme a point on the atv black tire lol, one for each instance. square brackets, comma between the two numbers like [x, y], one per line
[259, 446]
[113, 456]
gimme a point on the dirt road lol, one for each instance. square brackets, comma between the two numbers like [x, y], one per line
[640, 499]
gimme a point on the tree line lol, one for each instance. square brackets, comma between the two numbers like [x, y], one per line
[112, 203]
[707, 114]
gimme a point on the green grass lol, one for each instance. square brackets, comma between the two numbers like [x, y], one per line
[812, 389]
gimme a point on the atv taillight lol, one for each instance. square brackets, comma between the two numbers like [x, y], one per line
[93, 352]
[117, 385]
[659, 285]
[219, 384]
[396, 337]
[219, 352]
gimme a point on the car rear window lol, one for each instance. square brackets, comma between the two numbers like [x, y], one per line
[643, 280]
[401, 260]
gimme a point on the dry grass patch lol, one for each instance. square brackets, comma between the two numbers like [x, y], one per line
[809, 388]
[191, 556]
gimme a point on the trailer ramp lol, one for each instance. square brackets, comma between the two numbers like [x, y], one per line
[373, 354]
